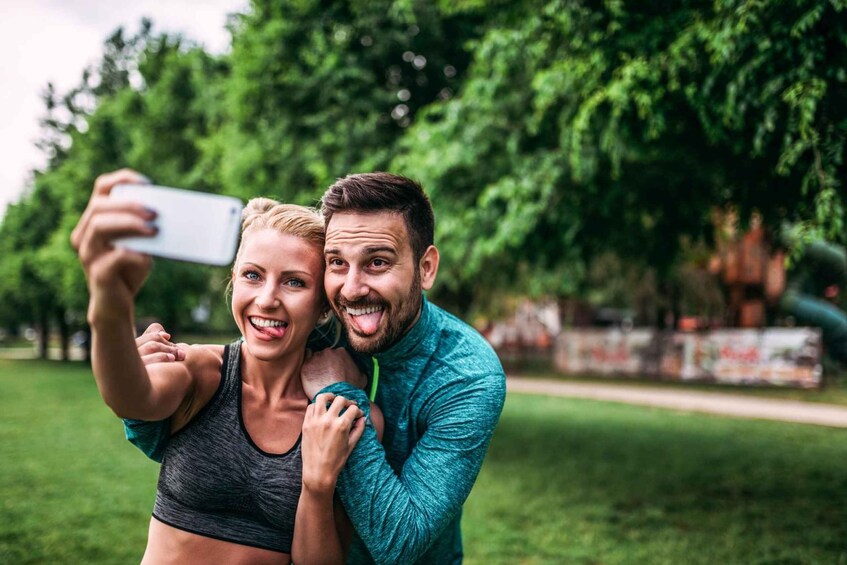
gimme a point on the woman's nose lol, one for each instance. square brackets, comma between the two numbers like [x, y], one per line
[268, 297]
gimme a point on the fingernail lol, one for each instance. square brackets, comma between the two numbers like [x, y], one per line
[165, 335]
[144, 179]
[171, 357]
[151, 211]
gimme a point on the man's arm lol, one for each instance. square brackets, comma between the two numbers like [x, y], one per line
[398, 517]
[150, 437]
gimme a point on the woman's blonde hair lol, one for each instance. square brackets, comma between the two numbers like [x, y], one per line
[291, 219]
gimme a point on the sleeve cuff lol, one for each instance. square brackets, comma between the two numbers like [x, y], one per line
[349, 392]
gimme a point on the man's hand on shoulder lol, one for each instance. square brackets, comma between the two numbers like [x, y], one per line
[329, 366]
[154, 346]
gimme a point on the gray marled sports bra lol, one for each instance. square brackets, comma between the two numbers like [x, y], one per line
[217, 483]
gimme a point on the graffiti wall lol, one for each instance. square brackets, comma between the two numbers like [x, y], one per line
[774, 356]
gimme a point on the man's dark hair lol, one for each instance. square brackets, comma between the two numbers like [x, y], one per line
[384, 192]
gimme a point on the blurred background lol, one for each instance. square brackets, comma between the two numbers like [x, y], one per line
[647, 190]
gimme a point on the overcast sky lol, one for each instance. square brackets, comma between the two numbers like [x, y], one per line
[45, 41]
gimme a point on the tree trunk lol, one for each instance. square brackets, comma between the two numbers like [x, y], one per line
[64, 334]
[43, 335]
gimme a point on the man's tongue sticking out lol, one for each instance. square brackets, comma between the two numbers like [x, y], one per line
[367, 323]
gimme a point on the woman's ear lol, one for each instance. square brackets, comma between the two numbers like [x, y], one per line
[325, 315]
[429, 267]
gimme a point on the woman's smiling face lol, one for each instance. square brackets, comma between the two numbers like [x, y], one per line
[277, 292]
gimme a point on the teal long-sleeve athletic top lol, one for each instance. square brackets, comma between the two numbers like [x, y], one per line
[441, 390]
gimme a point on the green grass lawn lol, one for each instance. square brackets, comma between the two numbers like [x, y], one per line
[569, 481]
[73, 490]
[566, 481]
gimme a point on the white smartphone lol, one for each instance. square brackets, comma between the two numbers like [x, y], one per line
[193, 226]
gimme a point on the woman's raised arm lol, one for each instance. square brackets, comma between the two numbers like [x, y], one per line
[114, 276]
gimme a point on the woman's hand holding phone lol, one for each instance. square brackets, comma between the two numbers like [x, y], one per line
[114, 274]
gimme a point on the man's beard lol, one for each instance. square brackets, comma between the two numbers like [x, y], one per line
[396, 323]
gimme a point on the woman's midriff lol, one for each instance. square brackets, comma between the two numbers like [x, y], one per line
[166, 545]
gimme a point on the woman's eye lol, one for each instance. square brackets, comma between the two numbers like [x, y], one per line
[251, 275]
[295, 283]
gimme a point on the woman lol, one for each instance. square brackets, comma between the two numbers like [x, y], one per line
[230, 481]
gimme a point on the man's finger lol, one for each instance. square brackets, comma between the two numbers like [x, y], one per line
[157, 347]
[155, 328]
[160, 337]
[151, 358]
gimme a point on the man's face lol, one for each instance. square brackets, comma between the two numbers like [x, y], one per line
[372, 279]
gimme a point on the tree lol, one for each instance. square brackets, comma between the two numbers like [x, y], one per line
[143, 108]
[319, 90]
[549, 134]
[586, 127]
[27, 296]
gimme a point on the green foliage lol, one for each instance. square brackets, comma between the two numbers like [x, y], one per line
[320, 90]
[547, 132]
[587, 127]
[28, 292]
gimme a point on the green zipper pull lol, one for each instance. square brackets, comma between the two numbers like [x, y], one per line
[374, 379]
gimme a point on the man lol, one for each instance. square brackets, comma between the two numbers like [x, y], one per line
[440, 385]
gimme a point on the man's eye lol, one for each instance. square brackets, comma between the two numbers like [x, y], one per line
[379, 263]
[334, 262]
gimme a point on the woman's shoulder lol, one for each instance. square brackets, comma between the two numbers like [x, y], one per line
[204, 364]
[203, 355]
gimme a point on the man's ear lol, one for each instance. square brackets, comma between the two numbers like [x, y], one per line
[428, 267]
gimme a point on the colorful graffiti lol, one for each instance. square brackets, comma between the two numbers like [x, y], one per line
[774, 356]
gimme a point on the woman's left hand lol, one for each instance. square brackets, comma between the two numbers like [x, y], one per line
[331, 429]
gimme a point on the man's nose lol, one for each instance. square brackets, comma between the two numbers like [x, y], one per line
[355, 286]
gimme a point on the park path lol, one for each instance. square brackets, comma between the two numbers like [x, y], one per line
[725, 404]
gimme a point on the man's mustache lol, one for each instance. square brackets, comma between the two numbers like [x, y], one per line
[341, 302]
